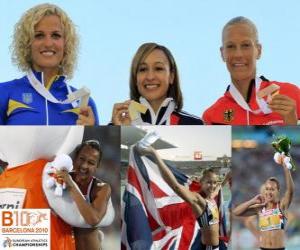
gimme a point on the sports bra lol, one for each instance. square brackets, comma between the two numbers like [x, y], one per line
[210, 216]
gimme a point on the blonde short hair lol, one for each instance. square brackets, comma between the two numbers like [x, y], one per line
[241, 20]
[24, 34]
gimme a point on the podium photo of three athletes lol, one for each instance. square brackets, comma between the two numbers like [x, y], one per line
[56, 84]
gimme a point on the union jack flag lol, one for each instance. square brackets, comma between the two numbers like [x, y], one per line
[154, 216]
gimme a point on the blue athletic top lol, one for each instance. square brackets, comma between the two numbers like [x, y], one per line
[21, 104]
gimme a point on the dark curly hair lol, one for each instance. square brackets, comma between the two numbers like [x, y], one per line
[90, 143]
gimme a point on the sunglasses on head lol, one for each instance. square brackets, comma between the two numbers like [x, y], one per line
[92, 143]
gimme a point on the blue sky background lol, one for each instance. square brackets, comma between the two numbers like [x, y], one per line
[112, 30]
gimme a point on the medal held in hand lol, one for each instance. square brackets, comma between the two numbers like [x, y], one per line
[282, 145]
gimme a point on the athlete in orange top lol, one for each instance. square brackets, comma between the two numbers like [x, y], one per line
[240, 104]
[29, 177]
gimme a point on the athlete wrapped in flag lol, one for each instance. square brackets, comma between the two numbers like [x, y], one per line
[155, 217]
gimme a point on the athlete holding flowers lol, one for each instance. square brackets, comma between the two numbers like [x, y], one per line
[270, 209]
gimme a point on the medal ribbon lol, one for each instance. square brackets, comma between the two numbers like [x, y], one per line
[262, 104]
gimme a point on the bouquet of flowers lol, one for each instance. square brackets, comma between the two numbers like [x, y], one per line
[282, 145]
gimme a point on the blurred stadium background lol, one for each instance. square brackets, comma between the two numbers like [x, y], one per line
[252, 164]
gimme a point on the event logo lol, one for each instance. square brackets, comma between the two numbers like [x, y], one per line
[198, 155]
[7, 243]
[22, 229]
[22, 218]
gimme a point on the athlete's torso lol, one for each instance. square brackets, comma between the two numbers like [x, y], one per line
[271, 219]
[89, 238]
[21, 104]
[227, 111]
[272, 224]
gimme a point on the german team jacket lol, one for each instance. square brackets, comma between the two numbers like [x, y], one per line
[227, 111]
